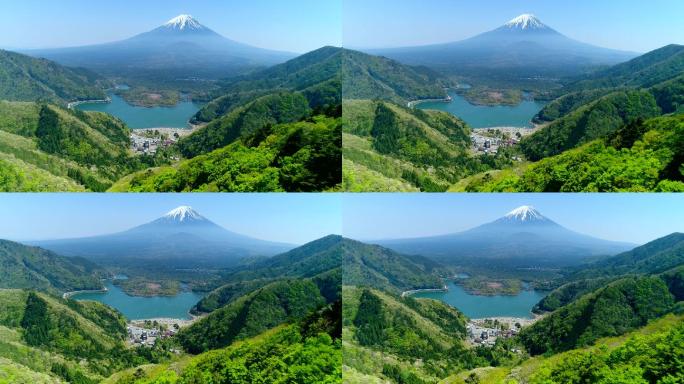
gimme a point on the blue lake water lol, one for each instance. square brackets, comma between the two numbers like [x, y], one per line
[142, 117]
[477, 307]
[136, 307]
[482, 116]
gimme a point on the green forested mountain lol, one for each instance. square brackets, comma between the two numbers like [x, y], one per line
[654, 257]
[592, 121]
[663, 257]
[55, 340]
[308, 73]
[305, 352]
[24, 78]
[388, 147]
[268, 293]
[643, 71]
[640, 156]
[402, 340]
[251, 314]
[303, 156]
[651, 354]
[47, 148]
[373, 266]
[613, 310]
[320, 260]
[25, 267]
[375, 77]
[282, 139]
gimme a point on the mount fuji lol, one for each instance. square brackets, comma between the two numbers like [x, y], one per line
[182, 238]
[524, 44]
[180, 47]
[522, 238]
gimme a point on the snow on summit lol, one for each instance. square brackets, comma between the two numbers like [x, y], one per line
[183, 212]
[525, 21]
[183, 21]
[525, 213]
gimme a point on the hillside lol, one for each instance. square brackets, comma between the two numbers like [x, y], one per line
[376, 267]
[663, 257]
[320, 260]
[592, 121]
[643, 71]
[61, 340]
[252, 314]
[401, 340]
[613, 310]
[638, 157]
[649, 354]
[294, 157]
[270, 140]
[411, 149]
[376, 77]
[25, 267]
[308, 351]
[307, 73]
[47, 148]
[24, 78]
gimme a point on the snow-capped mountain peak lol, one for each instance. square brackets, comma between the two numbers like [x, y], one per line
[525, 21]
[183, 213]
[525, 213]
[182, 22]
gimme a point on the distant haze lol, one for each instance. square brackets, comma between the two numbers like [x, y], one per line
[294, 25]
[631, 25]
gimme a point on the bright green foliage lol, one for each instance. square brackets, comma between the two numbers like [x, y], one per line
[568, 103]
[621, 306]
[302, 156]
[35, 268]
[405, 339]
[375, 77]
[644, 71]
[592, 121]
[316, 74]
[47, 148]
[653, 163]
[279, 108]
[424, 149]
[24, 78]
[377, 267]
[265, 308]
[643, 358]
[78, 342]
[35, 322]
[289, 354]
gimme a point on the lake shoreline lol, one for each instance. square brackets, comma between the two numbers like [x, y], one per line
[67, 295]
[414, 291]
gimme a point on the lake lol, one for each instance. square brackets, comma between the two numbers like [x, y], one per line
[477, 307]
[137, 307]
[142, 117]
[483, 116]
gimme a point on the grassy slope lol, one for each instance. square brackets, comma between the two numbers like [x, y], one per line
[431, 323]
[538, 366]
[83, 322]
[93, 152]
[431, 149]
[25, 78]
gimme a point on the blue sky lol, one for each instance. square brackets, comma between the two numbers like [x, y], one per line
[299, 218]
[291, 25]
[293, 218]
[634, 218]
[633, 25]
